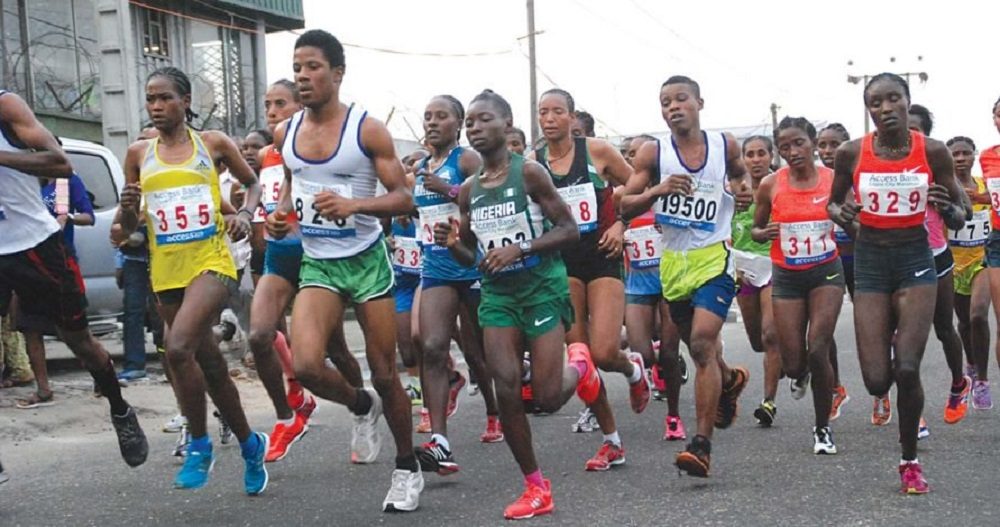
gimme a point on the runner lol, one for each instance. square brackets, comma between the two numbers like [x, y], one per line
[808, 275]
[516, 142]
[989, 162]
[252, 145]
[972, 287]
[346, 260]
[829, 139]
[447, 288]
[645, 308]
[695, 211]
[191, 270]
[897, 173]
[584, 170]
[34, 263]
[583, 125]
[519, 221]
[753, 273]
[276, 288]
[921, 120]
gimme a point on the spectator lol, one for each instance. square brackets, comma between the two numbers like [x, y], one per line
[132, 276]
[76, 210]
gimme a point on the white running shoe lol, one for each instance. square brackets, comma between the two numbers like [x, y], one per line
[799, 387]
[175, 424]
[586, 423]
[823, 444]
[366, 441]
[404, 493]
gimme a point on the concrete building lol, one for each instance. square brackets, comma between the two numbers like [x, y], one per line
[82, 64]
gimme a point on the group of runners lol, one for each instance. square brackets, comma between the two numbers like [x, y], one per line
[533, 261]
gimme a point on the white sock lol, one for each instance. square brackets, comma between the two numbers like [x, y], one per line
[614, 438]
[287, 422]
[441, 440]
[903, 461]
[636, 374]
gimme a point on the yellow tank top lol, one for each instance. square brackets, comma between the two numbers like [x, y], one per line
[183, 204]
[968, 245]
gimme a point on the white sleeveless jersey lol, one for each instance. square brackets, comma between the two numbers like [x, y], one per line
[705, 218]
[349, 172]
[24, 219]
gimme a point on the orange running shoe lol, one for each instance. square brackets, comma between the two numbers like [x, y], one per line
[494, 431]
[882, 411]
[424, 427]
[454, 388]
[839, 398]
[307, 408]
[958, 403]
[607, 456]
[284, 436]
[535, 501]
[696, 459]
[588, 387]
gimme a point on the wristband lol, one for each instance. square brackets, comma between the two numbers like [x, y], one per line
[249, 214]
[454, 190]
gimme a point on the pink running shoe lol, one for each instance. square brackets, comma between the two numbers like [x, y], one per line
[911, 478]
[673, 429]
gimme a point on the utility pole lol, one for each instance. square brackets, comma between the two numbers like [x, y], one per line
[774, 128]
[533, 79]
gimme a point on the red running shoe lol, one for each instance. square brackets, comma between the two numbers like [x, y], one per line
[608, 456]
[588, 387]
[454, 388]
[638, 393]
[535, 501]
[494, 431]
[284, 436]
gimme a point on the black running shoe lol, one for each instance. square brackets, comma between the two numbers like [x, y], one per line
[696, 458]
[436, 458]
[131, 439]
[729, 399]
[765, 413]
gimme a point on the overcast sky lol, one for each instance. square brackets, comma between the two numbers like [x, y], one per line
[614, 55]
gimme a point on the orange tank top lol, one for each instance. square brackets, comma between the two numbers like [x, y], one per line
[989, 161]
[893, 193]
[806, 231]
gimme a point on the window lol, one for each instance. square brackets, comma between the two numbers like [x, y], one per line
[96, 176]
[63, 56]
[154, 34]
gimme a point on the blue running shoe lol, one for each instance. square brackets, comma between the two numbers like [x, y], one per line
[255, 475]
[197, 466]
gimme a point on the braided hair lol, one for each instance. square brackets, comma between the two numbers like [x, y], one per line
[768, 143]
[839, 128]
[181, 83]
[962, 139]
[796, 122]
[570, 103]
[497, 101]
[890, 77]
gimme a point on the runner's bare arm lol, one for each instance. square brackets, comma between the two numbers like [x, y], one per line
[377, 141]
[128, 205]
[841, 211]
[45, 158]
[638, 196]
[609, 161]
[763, 229]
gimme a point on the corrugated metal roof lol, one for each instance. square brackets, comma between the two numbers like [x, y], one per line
[287, 14]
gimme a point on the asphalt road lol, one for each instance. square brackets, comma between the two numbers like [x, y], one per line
[68, 471]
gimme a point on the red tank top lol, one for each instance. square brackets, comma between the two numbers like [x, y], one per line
[806, 238]
[989, 160]
[893, 193]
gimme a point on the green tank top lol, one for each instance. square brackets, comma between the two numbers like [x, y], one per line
[506, 215]
[742, 241]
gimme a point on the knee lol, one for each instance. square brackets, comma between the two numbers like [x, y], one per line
[308, 373]
[702, 350]
[980, 319]
[179, 350]
[769, 337]
[943, 328]
[907, 374]
[546, 398]
[436, 348]
[878, 387]
[261, 340]
[384, 383]
[819, 356]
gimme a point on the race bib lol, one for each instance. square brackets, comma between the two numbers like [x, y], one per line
[974, 233]
[431, 215]
[271, 179]
[893, 195]
[807, 242]
[582, 203]
[993, 187]
[181, 214]
[310, 222]
[406, 257]
[504, 231]
[698, 211]
[643, 246]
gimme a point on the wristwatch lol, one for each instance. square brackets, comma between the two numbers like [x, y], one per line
[525, 247]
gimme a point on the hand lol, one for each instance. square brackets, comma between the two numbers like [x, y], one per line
[131, 197]
[276, 224]
[848, 212]
[682, 184]
[118, 237]
[62, 219]
[446, 234]
[333, 206]
[120, 278]
[433, 183]
[238, 226]
[611, 242]
[939, 196]
[499, 258]
[772, 231]
[744, 196]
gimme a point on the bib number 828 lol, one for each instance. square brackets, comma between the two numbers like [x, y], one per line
[316, 218]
